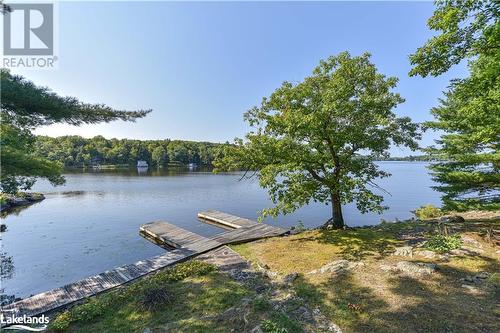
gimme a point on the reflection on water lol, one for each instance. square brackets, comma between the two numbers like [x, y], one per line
[91, 224]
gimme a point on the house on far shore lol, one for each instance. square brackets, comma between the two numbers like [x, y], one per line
[142, 164]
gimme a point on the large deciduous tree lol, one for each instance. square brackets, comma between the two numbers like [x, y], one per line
[26, 106]
[469, 113]
[317, 140]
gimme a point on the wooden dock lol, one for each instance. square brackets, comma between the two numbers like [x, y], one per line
[186, 245]
[226, 220]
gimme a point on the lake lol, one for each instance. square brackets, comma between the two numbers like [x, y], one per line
[91, 224]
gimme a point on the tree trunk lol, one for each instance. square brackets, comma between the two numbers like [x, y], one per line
[337, 220]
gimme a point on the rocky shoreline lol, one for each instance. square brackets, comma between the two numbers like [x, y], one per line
[9, 201]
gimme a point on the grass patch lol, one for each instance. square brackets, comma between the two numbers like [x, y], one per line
[189, 297]
[311, 249]
[270, 326]
[368, 299]
[174, 299]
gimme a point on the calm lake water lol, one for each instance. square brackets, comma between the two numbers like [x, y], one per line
[91, 224]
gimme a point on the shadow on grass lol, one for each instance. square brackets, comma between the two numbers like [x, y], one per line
[356, 244]
[194, 306]
[437, 303]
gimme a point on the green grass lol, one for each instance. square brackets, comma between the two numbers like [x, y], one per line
[196, 298]
[195, 290]
[370, 300]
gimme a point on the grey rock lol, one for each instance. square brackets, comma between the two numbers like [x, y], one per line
[387, 268]
[304, 314]
[471, 241]
[472, 250]
[415, 268]
[459, 252]
[403, 251]
[257, 329]
[289, 278]
[334, 328]
[428, 254]
[337, 267]
[452, 219]
[471, 289]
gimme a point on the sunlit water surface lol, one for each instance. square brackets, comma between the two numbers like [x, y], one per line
[91, 223]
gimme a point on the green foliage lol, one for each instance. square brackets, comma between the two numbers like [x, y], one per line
[467, 28]
[307, 138]
[150, 294]
[469, 115]
[272, 327]
[428, 212]
[20, 166]
[90, 310]
[261, 304]
[75, 151]
[184, 270]
[86, 312]
[26, 106]
[442, 244]
[61, 322]
[3, 199]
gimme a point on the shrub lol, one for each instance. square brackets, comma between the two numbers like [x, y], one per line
[61, 322]
[152, 297]
[86, 312]
[273, 327]
[90, 310]
[428, 212]
[441, 244]
[261, 305]
[184, 270]
[3, 199]
[150, 294]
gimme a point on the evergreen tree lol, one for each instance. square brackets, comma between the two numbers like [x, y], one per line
[469, 113]
[26, 106]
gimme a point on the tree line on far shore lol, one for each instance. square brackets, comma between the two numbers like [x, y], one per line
[315, 140]
[76, 151]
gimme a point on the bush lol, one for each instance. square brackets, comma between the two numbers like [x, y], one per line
[152, 297]
[273, 327]
[428, 212]
[3, 199]
[61, 322]
[443, 244]
[90, 310]
[184, 270]
[149, 293]
[86, 312]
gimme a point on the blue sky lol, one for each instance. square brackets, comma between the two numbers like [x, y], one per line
[200, 66]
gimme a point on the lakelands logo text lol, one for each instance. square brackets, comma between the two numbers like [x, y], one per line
[9, 321]
[29, 36]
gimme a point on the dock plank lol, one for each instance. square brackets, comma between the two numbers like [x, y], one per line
[226, 219]
[170, 234]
